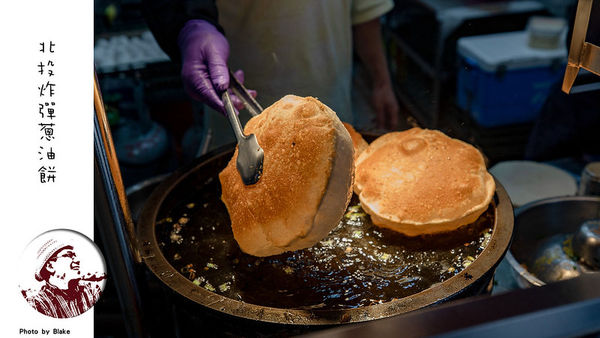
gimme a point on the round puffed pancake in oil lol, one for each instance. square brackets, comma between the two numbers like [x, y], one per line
[358, 141]
[421, 181]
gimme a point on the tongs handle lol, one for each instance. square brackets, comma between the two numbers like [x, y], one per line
[234, 120]
[254, 108]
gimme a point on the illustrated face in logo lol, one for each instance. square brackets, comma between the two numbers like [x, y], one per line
[53, 280]
[64, 265]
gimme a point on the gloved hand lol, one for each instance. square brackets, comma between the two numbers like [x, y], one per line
[205, 75]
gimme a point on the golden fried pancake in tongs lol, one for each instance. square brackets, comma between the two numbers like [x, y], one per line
[422, 182]
[306, 183]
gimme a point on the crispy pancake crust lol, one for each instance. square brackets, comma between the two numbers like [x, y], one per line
[422, 182]
[358, 141]
[306, 182]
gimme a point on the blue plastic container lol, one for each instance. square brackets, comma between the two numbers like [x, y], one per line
[501, 80]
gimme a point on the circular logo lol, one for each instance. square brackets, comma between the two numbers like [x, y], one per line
[62, 273]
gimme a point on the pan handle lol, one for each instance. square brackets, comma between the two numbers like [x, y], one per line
[113, 220]
[110, 173]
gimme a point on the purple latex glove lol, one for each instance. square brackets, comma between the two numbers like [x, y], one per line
[205, 74]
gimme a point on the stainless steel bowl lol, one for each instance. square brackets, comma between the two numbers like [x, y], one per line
[544, 228]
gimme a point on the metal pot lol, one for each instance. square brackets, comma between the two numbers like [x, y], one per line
[541, 227]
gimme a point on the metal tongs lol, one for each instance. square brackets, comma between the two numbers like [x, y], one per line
[250, 157]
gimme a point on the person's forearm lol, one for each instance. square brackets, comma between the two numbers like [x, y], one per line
[369, 47]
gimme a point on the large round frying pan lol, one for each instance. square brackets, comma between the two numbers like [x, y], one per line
[197, 185]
